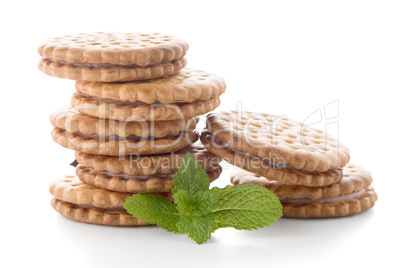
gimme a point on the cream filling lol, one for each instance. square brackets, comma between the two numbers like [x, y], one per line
[140, 177]
[341, 198]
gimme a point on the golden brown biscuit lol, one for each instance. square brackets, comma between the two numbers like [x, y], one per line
[116, 110]
[116, 147]
[149, 165]
[110, 73]
[333, 209]
[266, 168]
[79, 201]
[71, 120]
[278, 139]
[95, 215]
[351, 195]
[132, 184]
[188, 85]
[109, 57]
[71, 190]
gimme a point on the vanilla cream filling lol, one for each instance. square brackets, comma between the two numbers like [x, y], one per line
[140, 177]
[341, 198]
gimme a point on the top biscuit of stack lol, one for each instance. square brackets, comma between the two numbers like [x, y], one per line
[112, 57]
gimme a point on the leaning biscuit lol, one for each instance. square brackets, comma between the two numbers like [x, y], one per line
[277, 139]
[150, 165]
[351, 195]
[111, 57]
[115, 147]
[266, 168]
[71, 120]
[188, 85]
[133, 184]
[78, 201]
[126, 111]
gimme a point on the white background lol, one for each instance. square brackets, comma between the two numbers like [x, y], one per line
[280, 57]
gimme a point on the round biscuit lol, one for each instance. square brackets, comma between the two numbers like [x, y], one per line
[333, 209]
[278, 139]
[71, 120]
[139, 49]
[132, 185]
[266, 169]
[150, 112]
[188, 85]
[110, 73]
[355, 179]
[72, 190]
[112, 217]
[123, 147]
[135, 165]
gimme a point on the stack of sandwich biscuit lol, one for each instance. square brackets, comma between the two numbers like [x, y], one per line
[131, 121]
[305, 167]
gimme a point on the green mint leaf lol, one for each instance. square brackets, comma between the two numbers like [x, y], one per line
[190, 176]
[245, 207]
[196, 217]
[198, 228]
[153, 209]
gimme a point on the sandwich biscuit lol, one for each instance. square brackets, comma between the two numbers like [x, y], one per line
[141, 174]
[112, 57]
[275, 147]
[81, 202]
[139, 111]
[350, 195]
[72, 121]
[188, 85]
[115, 146]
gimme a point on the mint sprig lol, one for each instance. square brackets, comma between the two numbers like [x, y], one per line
[198, 211]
